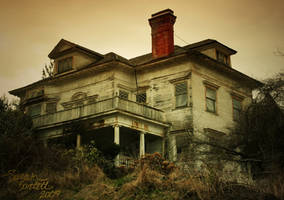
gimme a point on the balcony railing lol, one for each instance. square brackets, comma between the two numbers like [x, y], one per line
[100, 107]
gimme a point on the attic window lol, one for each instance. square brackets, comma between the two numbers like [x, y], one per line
[222, 58]
[64, 65]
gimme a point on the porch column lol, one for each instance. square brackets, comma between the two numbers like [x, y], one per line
[142, 144]
[45, 143]
[172, 148]
[78, 141]
[116, 141]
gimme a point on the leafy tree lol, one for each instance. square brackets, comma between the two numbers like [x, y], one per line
[261, 138]
[12, 120]
[256, 141]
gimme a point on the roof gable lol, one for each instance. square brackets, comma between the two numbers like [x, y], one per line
[209, 43]
[63, 47]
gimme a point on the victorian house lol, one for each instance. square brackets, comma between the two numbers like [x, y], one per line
[145, 104]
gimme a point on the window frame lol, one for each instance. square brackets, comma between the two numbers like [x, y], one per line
[50, 111]
[62, 60]
[121, 96]
[234, 109]
[185, 93]
[214, 87]
[222, 57]
[33, 106]
[141, 93]
[208, 98]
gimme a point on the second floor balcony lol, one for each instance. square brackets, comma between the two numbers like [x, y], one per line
[99, 108]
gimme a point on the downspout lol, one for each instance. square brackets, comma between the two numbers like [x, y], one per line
[136, 81]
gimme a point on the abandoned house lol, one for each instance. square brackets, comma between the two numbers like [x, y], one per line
[145, 104]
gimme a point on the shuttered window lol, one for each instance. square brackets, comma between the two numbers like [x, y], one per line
[181, 94]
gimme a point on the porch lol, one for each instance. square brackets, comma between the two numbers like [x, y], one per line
[137, 128]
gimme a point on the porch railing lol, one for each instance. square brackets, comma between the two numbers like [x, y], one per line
[99, 107]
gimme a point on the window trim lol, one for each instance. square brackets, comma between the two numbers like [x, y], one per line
[30, 107]
[215, 100]
[240, 99]
[212, 86]
[139, 93]
[51, 102]
[186, 93]
[124, 91]
[225, 60]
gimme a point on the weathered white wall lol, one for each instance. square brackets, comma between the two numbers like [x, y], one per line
[210, 52]
[223, 119]
[161, 92]
[99, 83]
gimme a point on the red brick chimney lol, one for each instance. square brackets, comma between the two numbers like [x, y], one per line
[162, 24]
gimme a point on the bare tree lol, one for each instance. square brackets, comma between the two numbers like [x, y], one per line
[47, 71]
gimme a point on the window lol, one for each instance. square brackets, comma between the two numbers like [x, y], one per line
[34, 110]
[181, 94]
[64, 65]
[222, 57]
[141, 98]
[36, 93]
[210, 100]
[51, 107]
[237, 108]
[123, 94]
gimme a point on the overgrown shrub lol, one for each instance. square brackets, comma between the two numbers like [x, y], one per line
[156, 162]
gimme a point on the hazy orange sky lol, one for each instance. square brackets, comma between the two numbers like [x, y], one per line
[29, 29]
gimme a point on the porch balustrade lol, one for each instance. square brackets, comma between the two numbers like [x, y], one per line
[100, 107]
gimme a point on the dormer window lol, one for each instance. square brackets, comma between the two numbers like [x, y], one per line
[64, 65]
[221, 57]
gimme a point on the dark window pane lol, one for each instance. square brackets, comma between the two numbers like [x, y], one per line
[51, 107]
[236, 114]
[141, 98]
[237, 104]
[123, 94]
[64, 65]
[35, 110]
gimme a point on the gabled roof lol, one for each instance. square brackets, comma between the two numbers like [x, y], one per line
[72, 46]
[206, 44]
[202, 45]
[190, 50]
[140, 60]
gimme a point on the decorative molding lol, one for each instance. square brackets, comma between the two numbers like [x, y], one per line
[210, 85]
[143, 88]
[120, 86]
[237, 96]
[187, 76]
[213, 134]
[79, 99]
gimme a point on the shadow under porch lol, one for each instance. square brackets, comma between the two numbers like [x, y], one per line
[133, 143]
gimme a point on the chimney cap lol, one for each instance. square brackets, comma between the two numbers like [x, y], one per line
[163, 12]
